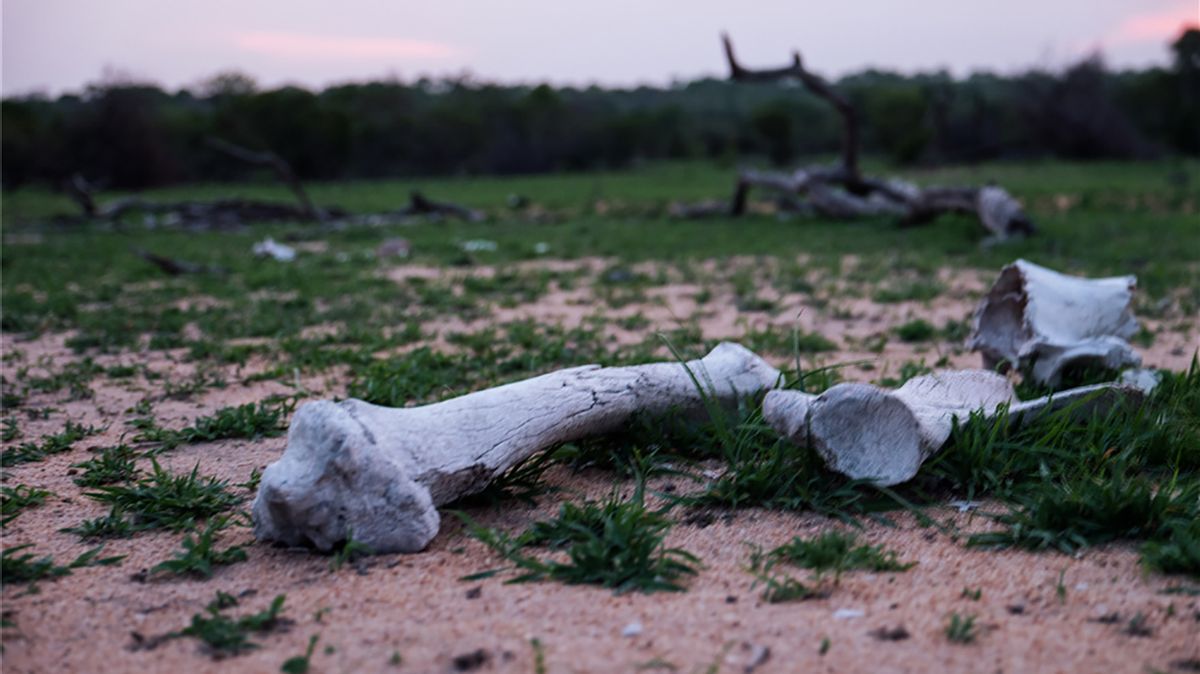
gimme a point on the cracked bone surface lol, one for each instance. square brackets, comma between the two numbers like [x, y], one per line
[866, 432]
[1037, 317]
[379, 473]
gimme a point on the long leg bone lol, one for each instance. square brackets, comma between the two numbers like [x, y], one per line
[866, 432]
[381, 472]
[1037, 316]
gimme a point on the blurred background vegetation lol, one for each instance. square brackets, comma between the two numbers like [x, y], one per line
[129, 135]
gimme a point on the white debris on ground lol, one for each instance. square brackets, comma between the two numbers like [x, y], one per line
[277, 251]
[479, 245]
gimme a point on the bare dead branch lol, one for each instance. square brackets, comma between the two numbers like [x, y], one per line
[81, 191]
[419, 204]
[820, 88]
[172, 266]
[842, 192]
[281, 168]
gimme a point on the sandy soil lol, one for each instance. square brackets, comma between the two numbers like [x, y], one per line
[417, 606]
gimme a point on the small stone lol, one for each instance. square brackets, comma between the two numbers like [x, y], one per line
[847, 613]
[632, 630]
[897, 633]
[471, 661]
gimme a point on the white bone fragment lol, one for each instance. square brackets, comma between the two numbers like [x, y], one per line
[867, 432]
[379, 473]
[1036, 317]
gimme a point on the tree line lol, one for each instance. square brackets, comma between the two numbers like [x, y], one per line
[129, 135]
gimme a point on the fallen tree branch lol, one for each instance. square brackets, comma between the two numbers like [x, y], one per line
[282, 169]
[841, 191]
[419, 204]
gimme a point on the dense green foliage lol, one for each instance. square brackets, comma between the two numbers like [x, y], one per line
[127, 135]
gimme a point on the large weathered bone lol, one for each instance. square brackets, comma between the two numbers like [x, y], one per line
[867, 432]
[1037, 317]
[380, 473]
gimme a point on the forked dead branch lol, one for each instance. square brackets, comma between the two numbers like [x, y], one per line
[841, 191]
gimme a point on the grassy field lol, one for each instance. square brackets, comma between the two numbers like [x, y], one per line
[138, 408]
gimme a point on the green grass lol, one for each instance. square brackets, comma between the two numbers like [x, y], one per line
[17, 566]
[349, 551]
[916, 330]
[961, 629]
[1073, 482]
[169, 501]
[906, 291]
[112, 525]
[1178, 552]
[200, 554]
[251, 421]
[13, 500]
[617, 544]
[88, 280]
[299, 664]
[111, 465]
[837, 552]
[224, 636]
[782, 588]
[50, 445]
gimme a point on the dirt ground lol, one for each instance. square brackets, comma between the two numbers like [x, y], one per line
[412, 613]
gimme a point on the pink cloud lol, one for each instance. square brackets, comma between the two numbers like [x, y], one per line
[325, 47]
[1154, 26]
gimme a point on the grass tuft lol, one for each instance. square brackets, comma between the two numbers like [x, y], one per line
[961, 629]
[224, 636]
[163, 500]
[58, 443]
[112, 465]
[837, 552]
[200, 554]
[615, 544]
[23, 567]
[15, 499]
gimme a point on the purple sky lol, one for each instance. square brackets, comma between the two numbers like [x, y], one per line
[56, 45]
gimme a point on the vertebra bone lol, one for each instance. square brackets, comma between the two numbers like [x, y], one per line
[867, 432]
[1034, 316]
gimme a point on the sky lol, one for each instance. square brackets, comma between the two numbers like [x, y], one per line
[52, 46]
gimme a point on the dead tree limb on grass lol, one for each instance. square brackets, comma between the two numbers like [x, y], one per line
[281, 168]
[232, 213]
[419, 204]
[841, 191]
[175, 266]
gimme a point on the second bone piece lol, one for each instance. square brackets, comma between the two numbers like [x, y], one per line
[1037, 318]
[867, 432]
[379, 473]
